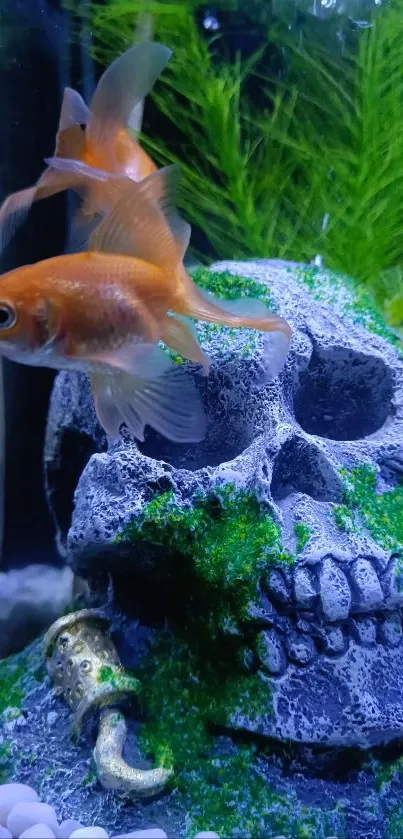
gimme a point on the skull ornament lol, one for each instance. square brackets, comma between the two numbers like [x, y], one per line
[318, 454]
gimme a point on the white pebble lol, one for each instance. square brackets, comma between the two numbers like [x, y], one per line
[4, 833]
[67, 827]
[37, 831]
[151, 833]
[207, 834]
[11, 794]
[89, 833]
[26, 814]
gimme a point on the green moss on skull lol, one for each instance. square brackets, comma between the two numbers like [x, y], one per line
[226, 537]
[5, 762]
[118, 680]
[381, 514]
[188, 695]
[18, 674]
[350, 301]
[231, 286]
[303, 534]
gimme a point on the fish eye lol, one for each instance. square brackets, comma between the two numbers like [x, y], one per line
[8, 316]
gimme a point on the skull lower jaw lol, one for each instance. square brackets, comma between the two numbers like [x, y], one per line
[355, 700]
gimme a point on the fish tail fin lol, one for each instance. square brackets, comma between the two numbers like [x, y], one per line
[69, 143]
[143, 32]
[168, 402]
[122, 87]
[15, 208]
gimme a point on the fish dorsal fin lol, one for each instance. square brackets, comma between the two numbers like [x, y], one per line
[74, 111]
[122, 86]
[70, 138]
[137, 226]
[163, 188]
[70, 143]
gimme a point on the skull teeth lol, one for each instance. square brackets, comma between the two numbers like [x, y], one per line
[323, 609]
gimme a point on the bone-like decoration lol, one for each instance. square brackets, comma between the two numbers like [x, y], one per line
[85, 669]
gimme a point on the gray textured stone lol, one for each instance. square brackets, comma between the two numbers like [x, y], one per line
[270, 649]
[301, 649]
[369, 595]
[392, 582]
[305, 590]
[390, 630]
[278, 588]
[334, 591]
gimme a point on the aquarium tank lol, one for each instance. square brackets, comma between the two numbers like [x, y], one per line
[201, 419]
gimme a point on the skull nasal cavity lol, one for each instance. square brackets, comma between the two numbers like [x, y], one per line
[301, 467]
[343, 395]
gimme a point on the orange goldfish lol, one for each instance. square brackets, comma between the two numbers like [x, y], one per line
[104, 311]
[104, 143]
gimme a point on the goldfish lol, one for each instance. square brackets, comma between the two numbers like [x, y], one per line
[104, 312]
[103, 143]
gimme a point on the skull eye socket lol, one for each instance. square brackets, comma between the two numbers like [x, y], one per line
[8, 316]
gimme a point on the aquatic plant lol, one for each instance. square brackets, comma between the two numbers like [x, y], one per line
[349, 128]
[317, 169]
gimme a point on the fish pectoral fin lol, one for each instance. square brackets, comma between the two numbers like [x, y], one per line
[169, 403]
[122, 86]
[180, 336]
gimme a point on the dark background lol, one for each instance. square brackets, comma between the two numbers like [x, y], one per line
[36, 61]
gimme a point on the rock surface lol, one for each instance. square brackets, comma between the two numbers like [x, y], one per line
[282, 532]
[337, 407]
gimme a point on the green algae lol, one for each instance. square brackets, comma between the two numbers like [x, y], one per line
[5, 762]
[303, 534]
[231, 286]
[394, 823]
[387, 772]
[380, 514]
[16, 675]
[189, 698]
[118, 680]
[226, 538]
[355, 303]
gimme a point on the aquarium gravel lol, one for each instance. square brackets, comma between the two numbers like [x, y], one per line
[23, 816]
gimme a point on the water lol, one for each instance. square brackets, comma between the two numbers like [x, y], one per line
[252, 579]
